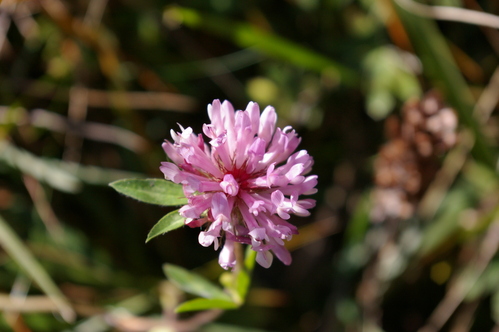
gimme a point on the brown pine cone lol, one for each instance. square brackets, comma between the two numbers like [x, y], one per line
[407, 163]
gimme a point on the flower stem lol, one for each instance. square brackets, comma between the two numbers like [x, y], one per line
[238, 250]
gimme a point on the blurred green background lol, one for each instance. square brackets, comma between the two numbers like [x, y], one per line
[89, 89]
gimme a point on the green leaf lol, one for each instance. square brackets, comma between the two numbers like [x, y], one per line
[153, 191]
[194, 283]
[206, 304]
[169, 222]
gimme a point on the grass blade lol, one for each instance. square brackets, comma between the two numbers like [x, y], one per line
[248, 36]
[440, 67]
[23, 257]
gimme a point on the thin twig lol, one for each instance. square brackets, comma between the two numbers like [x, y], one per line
[488, 99]
[447, 13]
[97, 39]
[491, 34]
[90, 130]
[4, 27]
[95, 10]
[136, 100]
[34, 303]
[452, 165]
[313, 232]
[77, 112]
[141, 100]
[132, 323]
[463, 283]
[26, 24]
[374, 284]
[216, 70]
[43, 207]
[18, 293]
[465, 317]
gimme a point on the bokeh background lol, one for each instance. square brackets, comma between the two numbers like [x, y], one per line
[406, 229]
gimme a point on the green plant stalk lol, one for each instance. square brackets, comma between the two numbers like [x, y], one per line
[440, 67]
[240, 277]
[19, 253]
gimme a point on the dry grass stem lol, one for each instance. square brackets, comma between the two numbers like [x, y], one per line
[448, 13]
[43, 207]
[488, 99]
[464, 281]
[90, 130]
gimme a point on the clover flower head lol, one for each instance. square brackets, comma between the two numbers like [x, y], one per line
[244, 184]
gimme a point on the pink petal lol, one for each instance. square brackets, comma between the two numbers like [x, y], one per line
[253, 111]
[172, 153]
[171, 172]
[229, 185]
[220, 206]
[194, 223]
[215, 116]
[227, 257]
[267, 124]
[264, 258]
[283, 254]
